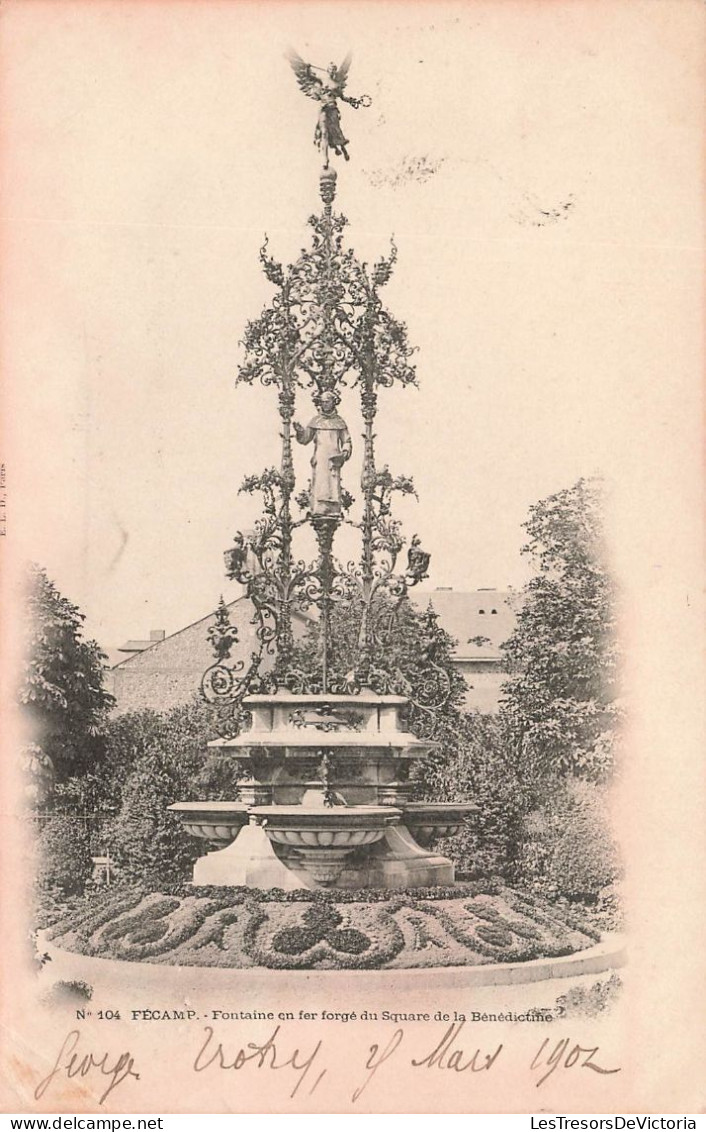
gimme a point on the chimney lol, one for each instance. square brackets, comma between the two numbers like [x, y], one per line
[157, 634]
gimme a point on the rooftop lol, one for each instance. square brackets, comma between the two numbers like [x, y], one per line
[479, 620]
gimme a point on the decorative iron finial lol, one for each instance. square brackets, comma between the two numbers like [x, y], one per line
[222, 635]
[327, 186]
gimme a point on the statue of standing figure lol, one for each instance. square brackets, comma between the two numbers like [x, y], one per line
[328, 91]
[332, 447]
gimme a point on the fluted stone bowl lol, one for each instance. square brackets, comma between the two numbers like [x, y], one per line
[323, 836]
[430, 821]
[219, 823]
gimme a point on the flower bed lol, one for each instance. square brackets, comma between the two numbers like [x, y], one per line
[468, 924]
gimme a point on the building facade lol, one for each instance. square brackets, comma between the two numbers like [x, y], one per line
[479, 621]
[163, 671]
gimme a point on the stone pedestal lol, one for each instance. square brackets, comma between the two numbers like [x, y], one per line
[249, 860]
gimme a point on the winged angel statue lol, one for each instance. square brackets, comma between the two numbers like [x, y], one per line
[328, 91]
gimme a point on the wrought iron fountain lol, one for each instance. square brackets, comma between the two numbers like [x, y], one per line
[324, 798]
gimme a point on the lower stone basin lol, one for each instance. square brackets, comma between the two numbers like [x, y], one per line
[430, 821]
[216, 822]
[322, 836]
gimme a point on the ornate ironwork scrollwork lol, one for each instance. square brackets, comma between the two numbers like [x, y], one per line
[218, 681]
[326, 327]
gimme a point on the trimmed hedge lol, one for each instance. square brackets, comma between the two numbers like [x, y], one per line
[236, 894]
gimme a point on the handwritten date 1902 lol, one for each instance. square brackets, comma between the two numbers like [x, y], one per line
[566, 1056]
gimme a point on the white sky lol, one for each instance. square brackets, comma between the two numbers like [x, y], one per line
[148, 147]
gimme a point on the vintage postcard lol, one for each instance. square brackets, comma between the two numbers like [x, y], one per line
[351, 521]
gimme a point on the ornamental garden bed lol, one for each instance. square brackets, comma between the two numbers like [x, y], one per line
[467, 925]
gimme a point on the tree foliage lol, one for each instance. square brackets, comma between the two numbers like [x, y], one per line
[62, 687]
[473, 765]
[411, 648]
[146, 840]
[560, 703]
[64, 855]
[567, 848]
[157, 759]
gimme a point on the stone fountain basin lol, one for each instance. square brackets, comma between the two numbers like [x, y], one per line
[428, 821]
[217, 822]
[325, 827]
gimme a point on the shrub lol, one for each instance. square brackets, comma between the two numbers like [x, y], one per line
[164, 755]
[581, 1001]
[568, 848]
[180, 736]
[65, 861]
[68, 993]
[148, 842]
[475, 767]
[236, 894]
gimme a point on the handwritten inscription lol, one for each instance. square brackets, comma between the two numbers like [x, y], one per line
[265, 1055]
[446, 1055]
[303, 1069]
[376, 1058]
[566, 1055]
[70, 1063]
[447, 1052]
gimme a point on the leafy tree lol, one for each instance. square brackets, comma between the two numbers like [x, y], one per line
[62, 686]
[560, 704]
